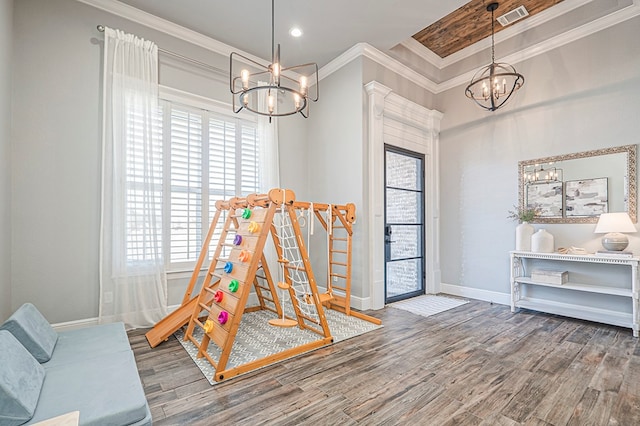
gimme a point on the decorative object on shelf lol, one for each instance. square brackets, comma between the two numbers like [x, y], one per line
[524, 230]
[613, 225]
[287, 90]
[548, 276]
[572, 250]
[523, 214]
[609, 253]
[494, 84]
[542, 242]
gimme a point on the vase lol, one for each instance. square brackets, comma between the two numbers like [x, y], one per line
[524, 231]
[542, 242]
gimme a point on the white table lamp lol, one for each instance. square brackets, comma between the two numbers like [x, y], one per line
[613, 225]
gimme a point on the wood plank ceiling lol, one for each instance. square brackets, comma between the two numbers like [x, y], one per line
[472, 23]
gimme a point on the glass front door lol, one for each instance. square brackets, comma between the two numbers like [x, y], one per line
[404, 224]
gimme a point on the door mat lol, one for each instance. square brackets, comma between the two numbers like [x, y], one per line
[428, 304]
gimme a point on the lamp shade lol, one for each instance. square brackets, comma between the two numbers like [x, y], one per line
[614, 222]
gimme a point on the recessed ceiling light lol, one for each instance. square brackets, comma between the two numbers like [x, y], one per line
[295, 32]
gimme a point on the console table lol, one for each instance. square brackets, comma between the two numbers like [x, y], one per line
[521, 277]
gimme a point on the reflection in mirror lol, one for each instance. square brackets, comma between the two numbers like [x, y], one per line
[577, 188]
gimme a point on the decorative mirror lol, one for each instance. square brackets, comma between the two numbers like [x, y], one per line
[577, 188]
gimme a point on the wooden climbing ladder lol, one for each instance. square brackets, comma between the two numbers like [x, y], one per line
[337, 220]
[263, 283]
[219, 309]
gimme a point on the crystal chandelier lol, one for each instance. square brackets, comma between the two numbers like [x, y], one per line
[273, 90]
[492, 86]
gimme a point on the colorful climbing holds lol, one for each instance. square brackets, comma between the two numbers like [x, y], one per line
[208, 326]
[237, 240]
[244, 256]
[218, 296]
[233, 286]
[253, 227]
[246, 214]
[223, 317]
[228, 267]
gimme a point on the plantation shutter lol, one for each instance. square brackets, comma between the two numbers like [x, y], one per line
[186, 184]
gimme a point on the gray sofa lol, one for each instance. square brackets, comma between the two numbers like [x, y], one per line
[44, 374]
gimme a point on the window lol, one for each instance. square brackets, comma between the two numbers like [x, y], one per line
[206, 156]
[213, 157]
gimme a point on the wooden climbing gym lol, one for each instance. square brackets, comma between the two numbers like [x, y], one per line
[238, 269]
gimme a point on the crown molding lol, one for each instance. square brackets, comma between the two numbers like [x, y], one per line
[368, 51]
[420, 50]
[159, 24]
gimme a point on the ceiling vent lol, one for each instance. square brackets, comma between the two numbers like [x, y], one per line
[513, 16]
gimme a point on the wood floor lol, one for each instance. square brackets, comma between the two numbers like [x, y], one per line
[478, 364]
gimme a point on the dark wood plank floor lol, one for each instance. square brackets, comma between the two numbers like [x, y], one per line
[478, 364]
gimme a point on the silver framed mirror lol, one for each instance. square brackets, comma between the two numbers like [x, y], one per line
[578, 187]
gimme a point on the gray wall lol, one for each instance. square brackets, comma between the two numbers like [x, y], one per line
[398, 84]
[56, 138]
[6, 42]
[579, 97]
[335, 167]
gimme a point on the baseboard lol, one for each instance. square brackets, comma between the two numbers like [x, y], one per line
[476, 293]
[360, 303]
[73, 325]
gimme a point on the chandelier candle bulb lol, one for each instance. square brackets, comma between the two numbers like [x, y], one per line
[271, 103]
[245, 80]
[303, 84]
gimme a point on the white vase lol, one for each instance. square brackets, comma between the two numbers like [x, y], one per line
[542, 242]
[524, 231]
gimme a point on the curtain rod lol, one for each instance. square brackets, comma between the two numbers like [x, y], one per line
[184, 58]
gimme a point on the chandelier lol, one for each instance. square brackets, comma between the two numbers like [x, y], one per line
[272, 90]
[494, 84]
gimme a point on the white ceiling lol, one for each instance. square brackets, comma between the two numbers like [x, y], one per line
[330, 26]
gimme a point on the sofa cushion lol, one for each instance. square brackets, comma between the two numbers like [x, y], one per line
[74, 346]
[21, 378]
[105, 389]
[32, 330]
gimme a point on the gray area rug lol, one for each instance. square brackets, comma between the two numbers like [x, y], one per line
[428, 305]
[257, 339]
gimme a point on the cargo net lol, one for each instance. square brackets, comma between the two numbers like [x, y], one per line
[293, 263]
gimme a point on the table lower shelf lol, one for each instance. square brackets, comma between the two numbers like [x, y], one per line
[604, 316]
[614, 291]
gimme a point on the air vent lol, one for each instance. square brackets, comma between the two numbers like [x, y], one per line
[513, 16]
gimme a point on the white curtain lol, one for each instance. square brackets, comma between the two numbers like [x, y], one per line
[133, 286]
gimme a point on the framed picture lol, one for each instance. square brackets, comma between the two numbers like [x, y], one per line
[546, 197]
[588, 197]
